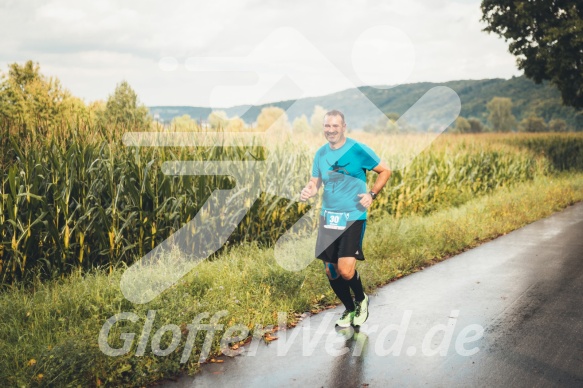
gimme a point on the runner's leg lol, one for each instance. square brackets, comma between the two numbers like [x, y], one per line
[347, 270]
[339, 285]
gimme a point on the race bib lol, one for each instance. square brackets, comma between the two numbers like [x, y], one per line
[335, 220]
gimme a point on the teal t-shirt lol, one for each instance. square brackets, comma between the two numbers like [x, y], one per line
[343, 173]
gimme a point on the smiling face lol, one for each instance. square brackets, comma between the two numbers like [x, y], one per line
[334, 130]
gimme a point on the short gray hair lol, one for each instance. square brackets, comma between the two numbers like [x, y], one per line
[335, 112]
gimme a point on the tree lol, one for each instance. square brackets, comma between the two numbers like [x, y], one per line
[317, 119]
[30, 99]
[218, 119]
[391, 125]
[546, 36]
[236, 124]
[393, 116]
[501, 116]
[558, 125]
[462, 125]
[387, 124]
[301, 125]
[532, 124]
[123, 109]
[476, 125]
[274, 119]
[75, 112]
[184, 123]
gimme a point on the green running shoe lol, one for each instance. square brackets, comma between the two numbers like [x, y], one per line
[346, 319]
[361, 312]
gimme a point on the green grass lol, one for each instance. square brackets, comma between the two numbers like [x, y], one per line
[49, 334]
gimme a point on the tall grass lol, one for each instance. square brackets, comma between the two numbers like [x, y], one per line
[88, 201]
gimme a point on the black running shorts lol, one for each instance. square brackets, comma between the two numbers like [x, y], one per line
[332, 244]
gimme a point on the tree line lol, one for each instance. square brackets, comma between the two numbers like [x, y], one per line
[32, 104]
[31, 100]
[500, 119]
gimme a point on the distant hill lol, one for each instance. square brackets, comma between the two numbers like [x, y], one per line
[527, 98]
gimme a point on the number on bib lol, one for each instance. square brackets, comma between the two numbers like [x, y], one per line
[335, 220]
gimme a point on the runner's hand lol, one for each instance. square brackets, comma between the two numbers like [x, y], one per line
[365, 200]
[307, 192]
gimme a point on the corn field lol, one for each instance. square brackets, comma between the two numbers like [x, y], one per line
[564, 152]
[87, 201]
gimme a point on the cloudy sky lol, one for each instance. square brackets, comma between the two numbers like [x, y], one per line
[223, 53]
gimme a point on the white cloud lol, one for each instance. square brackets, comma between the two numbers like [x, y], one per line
[92, 45]
[60, 14]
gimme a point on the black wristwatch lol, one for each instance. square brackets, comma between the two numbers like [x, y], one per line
[372, 194]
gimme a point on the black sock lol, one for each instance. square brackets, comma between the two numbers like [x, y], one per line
[342, 291]
[356, 286]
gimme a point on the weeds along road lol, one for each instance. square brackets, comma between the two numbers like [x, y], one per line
[507, 313]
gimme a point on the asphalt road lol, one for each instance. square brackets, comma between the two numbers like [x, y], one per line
[507, 313]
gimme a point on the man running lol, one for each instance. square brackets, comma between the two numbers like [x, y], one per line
[341, 165]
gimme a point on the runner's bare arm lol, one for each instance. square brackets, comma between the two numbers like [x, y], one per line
[311, 188]
[384, 175]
